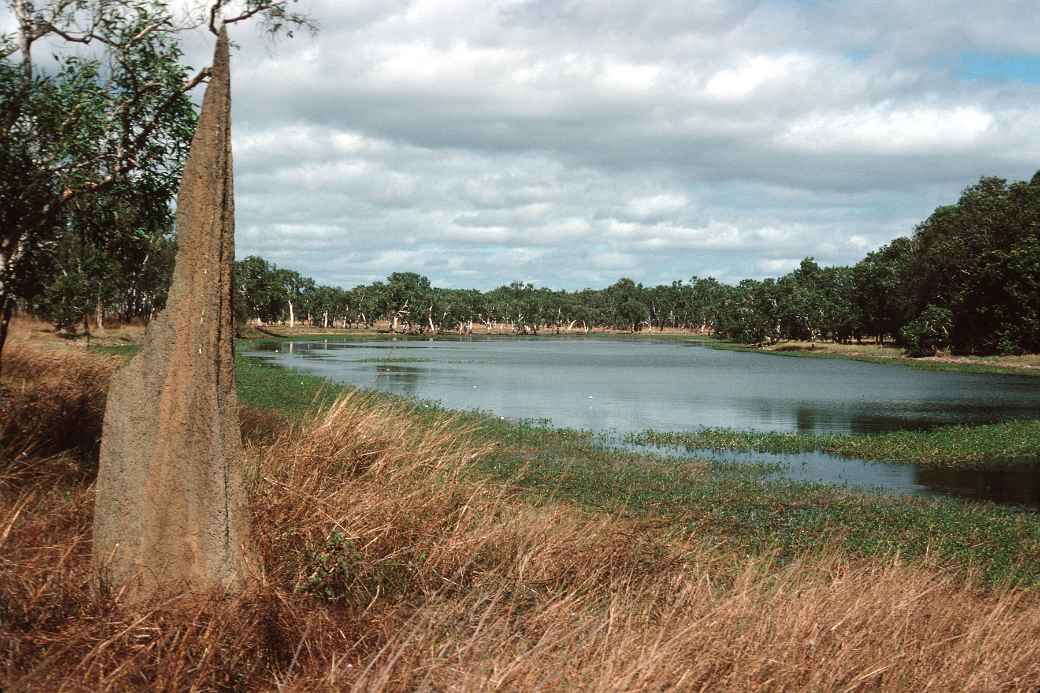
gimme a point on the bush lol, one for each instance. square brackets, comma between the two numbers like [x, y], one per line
[928, 332]
[65, 301]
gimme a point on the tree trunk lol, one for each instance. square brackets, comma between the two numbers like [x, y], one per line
[10, 252]
[7, 303]
[292, 316]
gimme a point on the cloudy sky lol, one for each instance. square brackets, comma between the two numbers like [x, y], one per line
[571, 143]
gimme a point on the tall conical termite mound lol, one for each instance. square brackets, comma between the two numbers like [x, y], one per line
[170, 510]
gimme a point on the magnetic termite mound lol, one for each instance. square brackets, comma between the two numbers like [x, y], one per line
[170, 510]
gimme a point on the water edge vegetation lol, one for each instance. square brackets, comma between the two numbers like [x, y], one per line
[999, 444]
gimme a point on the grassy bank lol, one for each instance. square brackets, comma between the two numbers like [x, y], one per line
[1012, 442]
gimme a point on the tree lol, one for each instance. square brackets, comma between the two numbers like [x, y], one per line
[880, 289]
[323, 304]
[257, 292]
[928, 332]
[980, 259]
[750, 312]
[630, 315]
[407, 299]
[627, 307]
[116, 121]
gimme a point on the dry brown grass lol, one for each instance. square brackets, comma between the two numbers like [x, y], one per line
[385, 566]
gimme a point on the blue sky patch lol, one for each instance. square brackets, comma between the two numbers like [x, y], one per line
[1003, 68]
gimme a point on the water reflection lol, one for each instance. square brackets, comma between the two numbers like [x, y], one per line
[398, 380]
[1017, 485]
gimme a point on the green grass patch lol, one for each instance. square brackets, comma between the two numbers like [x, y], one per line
[736, 506]
[126, 350]
[263, 384]
[1011, 442]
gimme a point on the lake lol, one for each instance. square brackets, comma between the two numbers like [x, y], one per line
[619, 385]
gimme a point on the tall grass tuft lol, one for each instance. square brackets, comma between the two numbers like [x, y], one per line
[52, 401]
[386, 565]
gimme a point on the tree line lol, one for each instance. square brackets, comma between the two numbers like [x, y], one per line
[967, 279]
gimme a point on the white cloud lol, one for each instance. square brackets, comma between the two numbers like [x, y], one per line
[567, 142]
[891, 130]
[777, 266]
[656, 206]
[757, 72]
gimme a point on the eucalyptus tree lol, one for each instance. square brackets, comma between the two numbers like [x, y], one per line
[407, 299]
[801, 302]
[750, 312]
[295, 288]
[258, 291]
[627, 304]
[663, 302]
[368, 303]
[111, 262]
[323, 303]
[110, 114]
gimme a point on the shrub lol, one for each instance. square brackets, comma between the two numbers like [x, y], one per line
[928, 332]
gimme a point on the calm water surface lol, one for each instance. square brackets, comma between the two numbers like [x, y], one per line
[621, 386]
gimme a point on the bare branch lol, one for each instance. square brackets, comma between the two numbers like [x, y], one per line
[198, 79]
[274, 13]
[85, 38]
[213, 15]
[256, 10]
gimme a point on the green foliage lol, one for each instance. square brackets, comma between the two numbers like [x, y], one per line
[85, 203]
[338, 572]
[332, 568]
[929, 332]
[115, 262]
[93, 148]
[999, 444]
[980, 259]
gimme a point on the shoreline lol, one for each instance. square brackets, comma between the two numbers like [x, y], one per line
[1028, 364]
